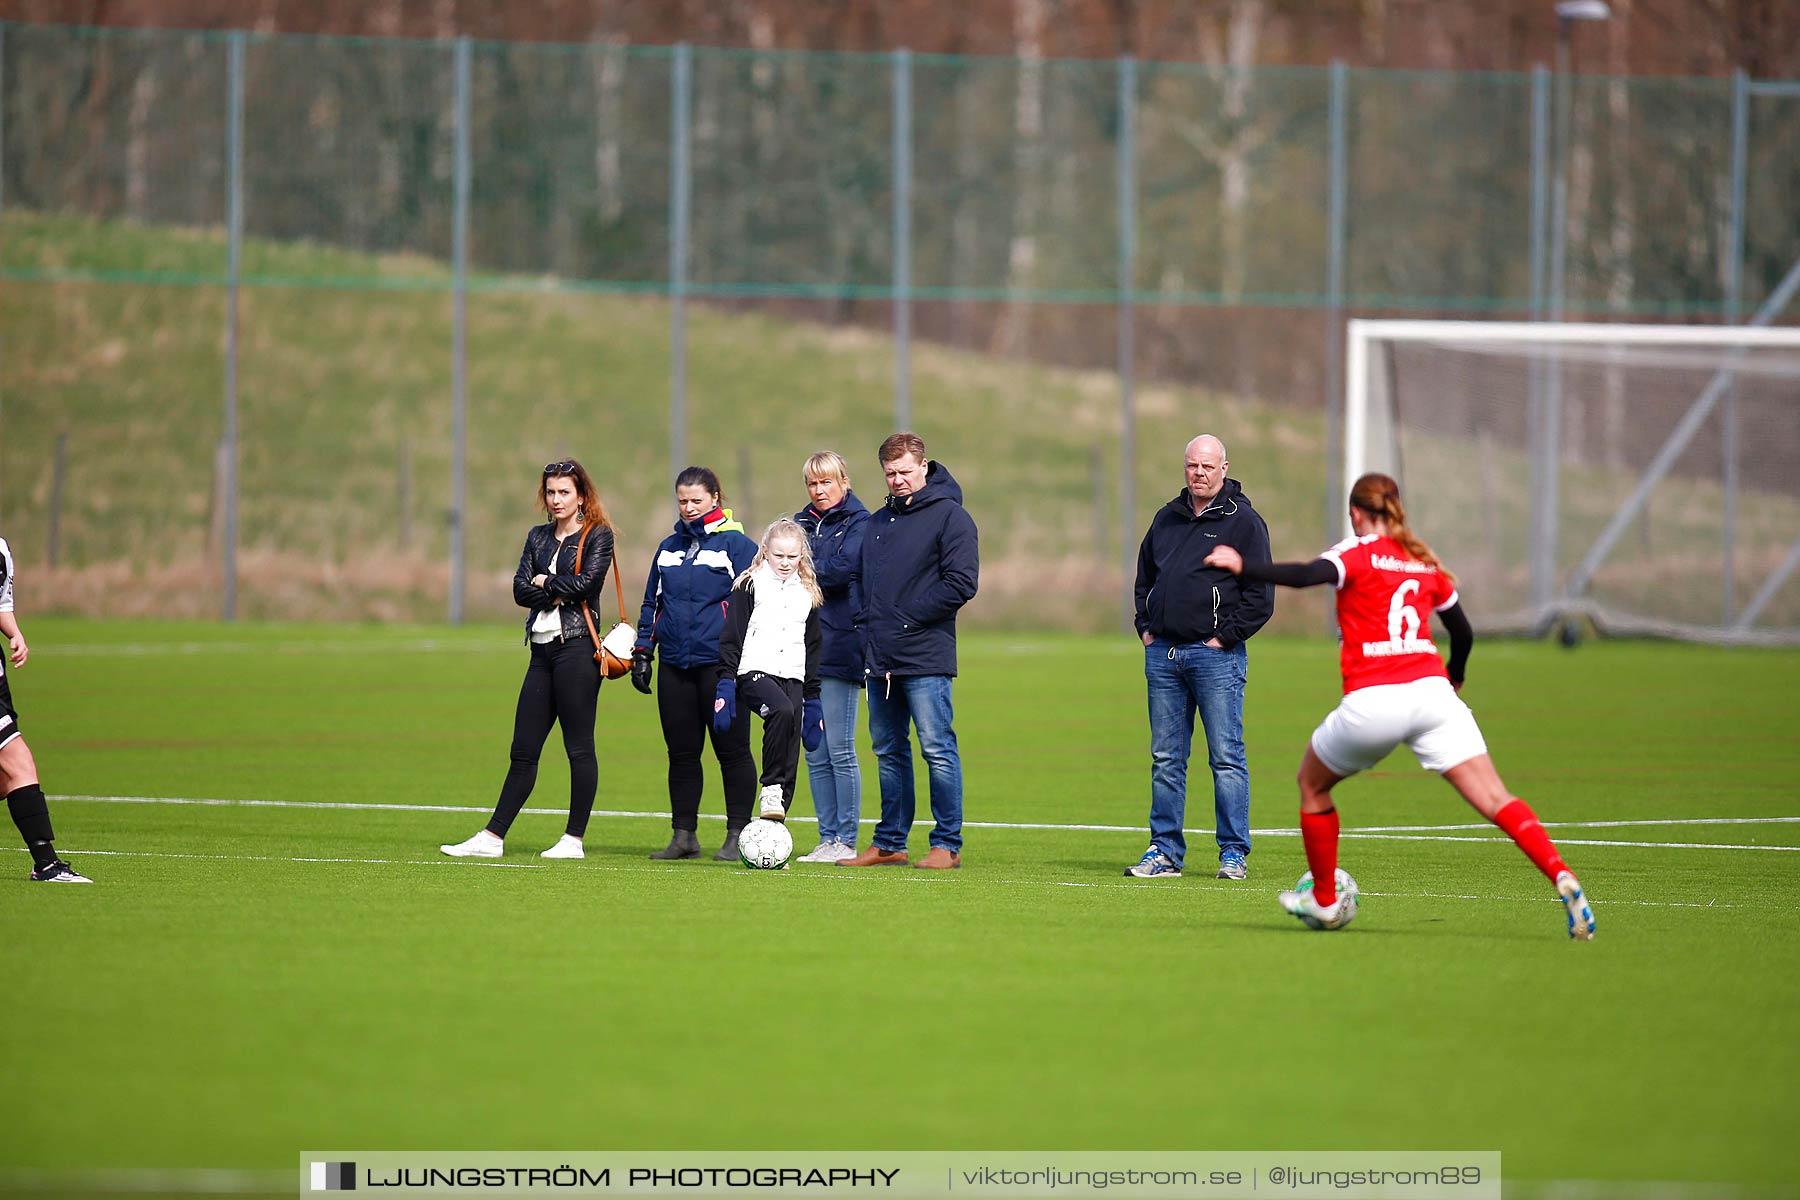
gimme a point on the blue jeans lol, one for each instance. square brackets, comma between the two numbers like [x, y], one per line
[836, 776]
[923, 700]
[1183, 679]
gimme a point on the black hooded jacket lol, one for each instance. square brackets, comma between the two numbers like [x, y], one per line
[920, 563]
[1181, 599]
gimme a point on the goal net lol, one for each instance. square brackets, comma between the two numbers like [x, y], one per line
[1644, 479]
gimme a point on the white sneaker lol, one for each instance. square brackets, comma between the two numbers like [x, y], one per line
[839, 852]
[769, 805]
[823, 852]
[566, 846]
[482, 845]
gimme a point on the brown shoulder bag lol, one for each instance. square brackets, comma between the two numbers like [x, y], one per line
[614, 652]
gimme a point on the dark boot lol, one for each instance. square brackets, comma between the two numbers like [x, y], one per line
[728, 852]
[683, 845]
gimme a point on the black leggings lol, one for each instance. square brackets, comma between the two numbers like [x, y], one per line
[781, 726]
[684, 700]
[562, 686]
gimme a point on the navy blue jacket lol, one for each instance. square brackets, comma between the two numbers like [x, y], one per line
[836, 539]
[921, 562]
[1179, 598]
[684, 597]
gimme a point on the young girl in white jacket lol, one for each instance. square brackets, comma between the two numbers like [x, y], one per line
[769, 653]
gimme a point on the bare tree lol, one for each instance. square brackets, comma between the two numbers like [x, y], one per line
[137, 141]
[1012, 335]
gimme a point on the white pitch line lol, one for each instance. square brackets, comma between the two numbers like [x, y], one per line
[181, 649]
[1595, 824]
[446, 861]
[1375, 832]
[861, 878]
[1506, 841]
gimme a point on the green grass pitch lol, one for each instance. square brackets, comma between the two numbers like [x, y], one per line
[249, 981]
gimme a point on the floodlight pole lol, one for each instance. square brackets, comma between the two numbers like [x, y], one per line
[1549, 450]
[1543, 569]
[1537, 377]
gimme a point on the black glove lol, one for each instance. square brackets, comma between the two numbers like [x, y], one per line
[812, 724]
[725, 705]
[640, 669]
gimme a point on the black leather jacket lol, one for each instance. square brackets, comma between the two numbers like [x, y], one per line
[562, 582]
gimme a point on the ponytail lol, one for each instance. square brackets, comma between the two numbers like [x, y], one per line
[1379, 496]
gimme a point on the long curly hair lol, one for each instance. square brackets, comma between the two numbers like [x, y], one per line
[1379, 496]
[786, 528]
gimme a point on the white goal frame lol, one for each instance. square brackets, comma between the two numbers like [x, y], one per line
[1369, 439]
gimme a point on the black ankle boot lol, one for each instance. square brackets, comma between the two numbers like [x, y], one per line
[685, 844]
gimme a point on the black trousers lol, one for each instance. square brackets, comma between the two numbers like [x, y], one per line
[777, 701]
[684, 701]
[562, 686]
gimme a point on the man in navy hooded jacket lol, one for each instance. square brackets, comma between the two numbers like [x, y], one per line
[1194, 620]
[920, 565]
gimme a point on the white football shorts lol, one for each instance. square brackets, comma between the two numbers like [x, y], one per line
[1426, 714]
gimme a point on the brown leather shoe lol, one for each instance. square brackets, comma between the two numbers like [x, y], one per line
[875, 856]
[940, 858]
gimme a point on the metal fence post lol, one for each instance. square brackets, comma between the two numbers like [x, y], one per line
[2, 147]
[1336, 207]
[1734, 292]
[1538, 371]
[234, 239]
[902, 301]
[2, 116]
[680, 201]
[1126, 170]
[459, 340]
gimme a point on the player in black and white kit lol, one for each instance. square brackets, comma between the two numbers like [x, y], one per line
[18, 771]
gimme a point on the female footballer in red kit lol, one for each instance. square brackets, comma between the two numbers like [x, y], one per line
[1396, 689]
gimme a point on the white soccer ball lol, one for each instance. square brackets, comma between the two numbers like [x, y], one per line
[765, 845]
[1346, 890]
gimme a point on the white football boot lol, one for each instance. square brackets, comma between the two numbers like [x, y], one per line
[1314, 915]
[1581, 917]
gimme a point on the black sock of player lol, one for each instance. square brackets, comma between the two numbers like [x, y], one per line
[32, 815]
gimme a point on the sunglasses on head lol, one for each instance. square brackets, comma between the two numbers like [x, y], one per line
[559, 468]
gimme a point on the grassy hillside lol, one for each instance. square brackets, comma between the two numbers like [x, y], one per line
[114, 335]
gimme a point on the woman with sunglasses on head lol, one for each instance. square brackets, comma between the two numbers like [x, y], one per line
[682, 619]
[562, 680]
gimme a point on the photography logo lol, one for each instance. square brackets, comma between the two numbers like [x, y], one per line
[333, 1177]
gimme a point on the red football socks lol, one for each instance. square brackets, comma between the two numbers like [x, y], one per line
[1320, 833]
[1521, 825]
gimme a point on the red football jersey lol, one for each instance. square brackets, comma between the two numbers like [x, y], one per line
[1385, 598]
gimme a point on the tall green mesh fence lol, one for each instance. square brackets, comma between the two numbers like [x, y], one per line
[114, 200]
